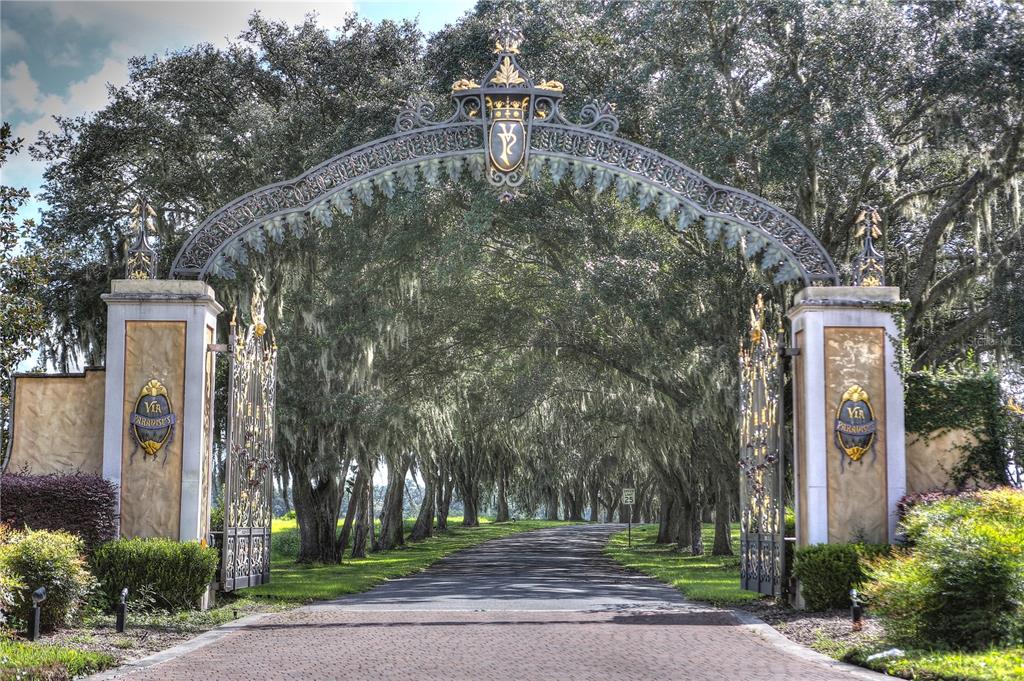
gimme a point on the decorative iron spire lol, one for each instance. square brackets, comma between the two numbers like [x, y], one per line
[507, 38]
[869, 265]
[140, 256]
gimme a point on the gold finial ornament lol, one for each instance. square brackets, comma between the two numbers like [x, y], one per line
[869, 265]
[140, 256]
[757, 320]
[256, 309]
[507, 38]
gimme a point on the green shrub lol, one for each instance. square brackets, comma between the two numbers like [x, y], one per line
[827, 572]
[962, 585]
[174, 574]
[32, 661]
[9, 587]
[217, 519]
[51, 559]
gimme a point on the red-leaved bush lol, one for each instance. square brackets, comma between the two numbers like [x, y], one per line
[81, 503]
[909, 501]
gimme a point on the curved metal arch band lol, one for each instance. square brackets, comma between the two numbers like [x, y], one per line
[463, 139]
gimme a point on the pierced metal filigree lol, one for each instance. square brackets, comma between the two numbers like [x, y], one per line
[140, 256]
[250, 446]
[869, 265]
[505, 127]
[761, 522]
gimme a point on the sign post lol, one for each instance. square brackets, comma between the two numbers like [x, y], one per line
[628, 498]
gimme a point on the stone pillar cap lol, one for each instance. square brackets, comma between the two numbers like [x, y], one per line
[161, 291]
[854, 295]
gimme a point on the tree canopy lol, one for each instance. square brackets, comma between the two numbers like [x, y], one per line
[541, 352]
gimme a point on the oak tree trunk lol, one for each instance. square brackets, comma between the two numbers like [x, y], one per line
[353, 496]
[392, 532]
[550, 503]
[424, 526]
[444, 499]
[503, 514]
[364, 519]
[723, 532]
[317, 506]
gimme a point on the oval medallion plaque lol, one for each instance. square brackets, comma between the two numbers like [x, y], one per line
[152, 420]
[855, 423]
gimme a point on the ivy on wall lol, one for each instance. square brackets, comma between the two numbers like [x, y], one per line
[967, 398]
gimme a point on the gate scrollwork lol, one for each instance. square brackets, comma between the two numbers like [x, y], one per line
[762, 525]
[250, 447]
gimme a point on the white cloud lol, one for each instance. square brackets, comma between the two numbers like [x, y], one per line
[20, 92]
[133, 28]
[11, 39]
[154, 27]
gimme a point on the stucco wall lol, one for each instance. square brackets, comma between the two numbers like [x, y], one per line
[857, 491]
[931, 458]
[58, 423]
[151, 486]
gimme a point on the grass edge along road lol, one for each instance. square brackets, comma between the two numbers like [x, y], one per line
[716, 580]
[295, 582]
[712, 579]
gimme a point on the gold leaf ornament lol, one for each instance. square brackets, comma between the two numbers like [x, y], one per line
[507, 74]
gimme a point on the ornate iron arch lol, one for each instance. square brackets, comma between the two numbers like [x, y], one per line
[506, 129]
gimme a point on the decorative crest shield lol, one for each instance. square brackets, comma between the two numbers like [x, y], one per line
[855, 423]
[507, 104]
[152, 420]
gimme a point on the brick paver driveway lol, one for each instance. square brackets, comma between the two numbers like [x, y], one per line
[541, 605]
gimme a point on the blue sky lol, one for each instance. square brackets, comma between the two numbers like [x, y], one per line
[56, 58]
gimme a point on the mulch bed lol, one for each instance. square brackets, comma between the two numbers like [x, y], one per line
[134, 643]
[811, 629]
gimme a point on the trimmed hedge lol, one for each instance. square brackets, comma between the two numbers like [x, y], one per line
[80, 503]
[173, 574]
[827, 572]
[50, 559]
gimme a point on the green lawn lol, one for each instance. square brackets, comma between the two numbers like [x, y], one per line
[290, 581]
[715, 579]
[30, 661]
[1000, 664]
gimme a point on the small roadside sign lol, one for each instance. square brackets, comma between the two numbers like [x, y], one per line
[628, 496]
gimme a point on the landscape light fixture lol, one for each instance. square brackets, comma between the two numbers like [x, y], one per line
[38, 596]
[856, 610]
[122, 608]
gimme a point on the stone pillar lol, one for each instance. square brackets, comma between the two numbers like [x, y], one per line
[847, 337]
[159, 330]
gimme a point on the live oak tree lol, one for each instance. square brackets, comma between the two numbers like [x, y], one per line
[536, 355]
[22, 281]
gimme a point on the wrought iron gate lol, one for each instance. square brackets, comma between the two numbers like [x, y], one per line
[245, 558]
[762, 460]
